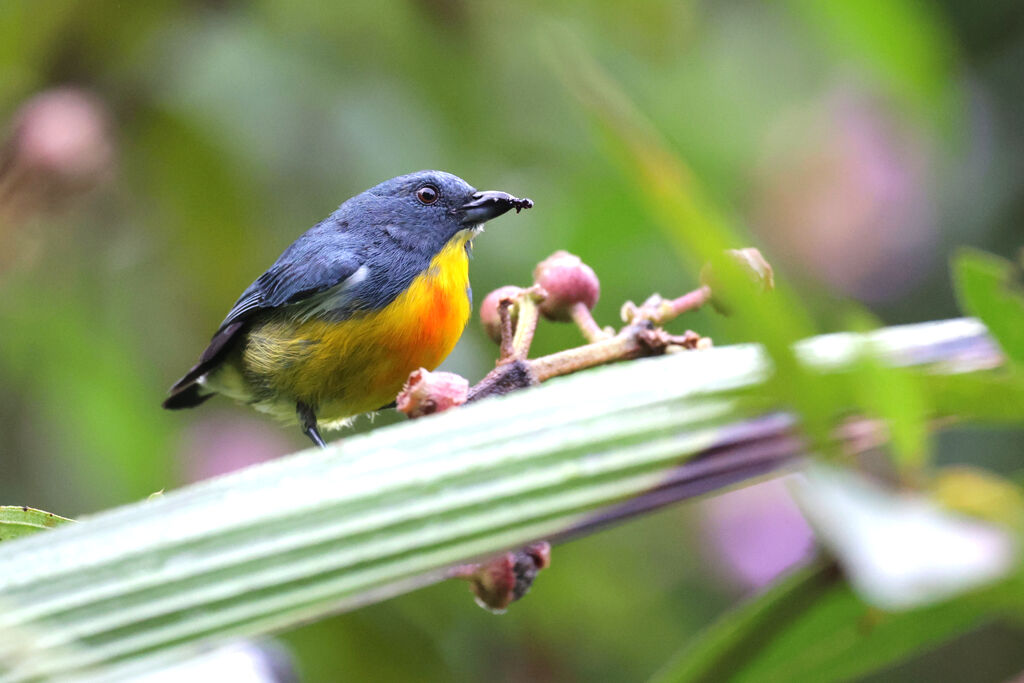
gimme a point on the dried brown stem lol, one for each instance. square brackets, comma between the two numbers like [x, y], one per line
[528, 315]
[641, 337]
[505, 378]
[621, 347]
[505, 317]
[634, 341]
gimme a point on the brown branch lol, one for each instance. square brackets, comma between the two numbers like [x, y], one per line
[529, 314]
[507, 329]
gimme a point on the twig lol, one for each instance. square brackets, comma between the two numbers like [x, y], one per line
[583, 318]
[507, 330]
[526, 325]
[660, 311]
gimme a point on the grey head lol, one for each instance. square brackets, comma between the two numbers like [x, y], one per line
[424, 210]
[374, 245]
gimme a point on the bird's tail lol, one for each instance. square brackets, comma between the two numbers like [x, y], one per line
[188, 396]
[188, 392]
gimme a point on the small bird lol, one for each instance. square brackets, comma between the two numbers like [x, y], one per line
[375, 291]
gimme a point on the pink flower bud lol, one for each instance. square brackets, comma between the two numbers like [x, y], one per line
[489, 310]
[59, 147]
[567, 281]
[499, 582]
[432, 392]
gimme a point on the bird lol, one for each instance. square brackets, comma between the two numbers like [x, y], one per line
[375, 291]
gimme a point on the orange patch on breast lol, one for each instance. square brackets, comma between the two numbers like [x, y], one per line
[440, 317]
[360, 364]
[433, 311]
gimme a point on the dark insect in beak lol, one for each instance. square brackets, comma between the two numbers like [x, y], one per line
[490, 204]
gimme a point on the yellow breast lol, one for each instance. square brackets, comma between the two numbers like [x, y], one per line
[360, 364]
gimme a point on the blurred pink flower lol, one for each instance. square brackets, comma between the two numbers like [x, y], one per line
[841, 194]
[755, 533]
[224, 443]
[59, 146]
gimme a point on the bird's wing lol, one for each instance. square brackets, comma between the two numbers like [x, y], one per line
[297, 276]
[306, 269]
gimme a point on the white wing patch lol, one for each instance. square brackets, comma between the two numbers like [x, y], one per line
[332, 299]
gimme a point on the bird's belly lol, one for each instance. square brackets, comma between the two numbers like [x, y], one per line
[345, 368]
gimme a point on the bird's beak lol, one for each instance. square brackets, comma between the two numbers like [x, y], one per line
[490, 204]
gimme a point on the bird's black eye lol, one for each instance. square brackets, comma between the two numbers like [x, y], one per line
[427, 194]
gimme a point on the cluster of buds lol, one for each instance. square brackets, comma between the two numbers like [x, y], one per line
[565, 289]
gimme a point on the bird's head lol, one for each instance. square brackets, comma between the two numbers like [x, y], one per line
[436, 206]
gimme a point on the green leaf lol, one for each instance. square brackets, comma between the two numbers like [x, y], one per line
[897, 395]
[292, 540]
[17, 521]
[987, 288]
[894, 394]
[811, 627]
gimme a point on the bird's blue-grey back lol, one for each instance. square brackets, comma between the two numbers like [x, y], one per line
[380, 239]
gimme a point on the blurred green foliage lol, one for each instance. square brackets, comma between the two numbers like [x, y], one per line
[989, 289]
[237, 125]
[767, 639]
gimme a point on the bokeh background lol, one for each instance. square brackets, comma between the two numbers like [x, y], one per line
[158, 156]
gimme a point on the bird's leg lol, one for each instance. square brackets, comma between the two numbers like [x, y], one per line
[307, 420]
